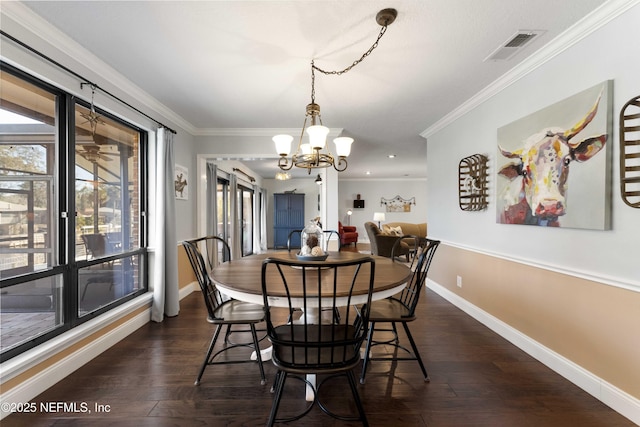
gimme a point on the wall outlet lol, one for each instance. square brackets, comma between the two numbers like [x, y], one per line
[459, 281]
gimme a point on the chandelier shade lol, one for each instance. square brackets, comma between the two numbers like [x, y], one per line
[283, 144]
[317, 136]
[312, 152]
[343, 146]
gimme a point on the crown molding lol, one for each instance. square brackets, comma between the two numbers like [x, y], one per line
[41, 28]
[24, 16]
[369, 180]
[590, 23]
[258, 132]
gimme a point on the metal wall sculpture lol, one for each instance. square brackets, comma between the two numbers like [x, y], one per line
[630, 152]
[472, 183]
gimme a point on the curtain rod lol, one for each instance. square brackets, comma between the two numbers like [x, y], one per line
[84, 79]
[235, 170]
[252, 179]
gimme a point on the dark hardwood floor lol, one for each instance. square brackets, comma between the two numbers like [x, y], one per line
[477, 379]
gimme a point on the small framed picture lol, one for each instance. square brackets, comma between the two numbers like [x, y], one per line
[181, 180]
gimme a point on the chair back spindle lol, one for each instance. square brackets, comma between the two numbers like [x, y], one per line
[313, 343]
[420, 262]
[205, 254]
[214, 248]
[401, 308]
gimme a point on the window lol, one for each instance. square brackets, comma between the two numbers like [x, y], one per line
[60, 267]
[106, 209]
[32, 306]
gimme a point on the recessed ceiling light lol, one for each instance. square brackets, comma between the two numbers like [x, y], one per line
[368, 173]
[392, 156]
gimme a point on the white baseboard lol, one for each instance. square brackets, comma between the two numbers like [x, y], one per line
[618, 400]
[186, 290]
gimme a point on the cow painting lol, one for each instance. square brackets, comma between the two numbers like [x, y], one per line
[539, 172]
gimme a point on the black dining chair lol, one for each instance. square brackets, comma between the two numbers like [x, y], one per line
[328, 235]
[305, 346]
[400, 308]
[291, 244]
[221, 309]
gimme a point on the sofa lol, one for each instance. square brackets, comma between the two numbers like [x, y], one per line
[382, 243]
[348, 234]
[406, 229]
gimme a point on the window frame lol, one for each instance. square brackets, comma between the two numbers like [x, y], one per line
[63, 251]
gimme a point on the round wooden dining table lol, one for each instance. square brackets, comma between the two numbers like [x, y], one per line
[241, 279]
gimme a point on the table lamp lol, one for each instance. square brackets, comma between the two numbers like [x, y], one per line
[378, 216]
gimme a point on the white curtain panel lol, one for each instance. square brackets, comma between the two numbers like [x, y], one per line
[259, 220]
[212, 201]
[165, 288]
[212, 205]
[236, 242]
[263, 220]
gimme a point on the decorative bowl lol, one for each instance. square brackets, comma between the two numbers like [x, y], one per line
[312, 258]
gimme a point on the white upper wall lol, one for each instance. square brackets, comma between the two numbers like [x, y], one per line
[612, 256]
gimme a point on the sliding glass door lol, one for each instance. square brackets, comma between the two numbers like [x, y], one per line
[223, 212]
[235, 212]
[245, 210]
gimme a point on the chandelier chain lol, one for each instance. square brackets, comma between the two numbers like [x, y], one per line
[356, 62]
[313, 83]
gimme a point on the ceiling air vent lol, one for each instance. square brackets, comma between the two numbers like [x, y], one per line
[513, 45]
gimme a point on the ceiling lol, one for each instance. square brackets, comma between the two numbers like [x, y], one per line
[221, 66]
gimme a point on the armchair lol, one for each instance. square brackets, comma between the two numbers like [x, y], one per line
[382, 244]
[348, 234]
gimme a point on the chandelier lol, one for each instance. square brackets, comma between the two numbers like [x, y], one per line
[312, 154]
[282, 176]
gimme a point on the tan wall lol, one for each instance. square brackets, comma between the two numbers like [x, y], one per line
[185, 272]
[594, 325]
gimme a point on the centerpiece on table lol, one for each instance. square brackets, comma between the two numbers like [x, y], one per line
[312, 242]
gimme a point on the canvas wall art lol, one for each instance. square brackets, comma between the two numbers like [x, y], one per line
[181, 182]
[553, 166]
[398, 204]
